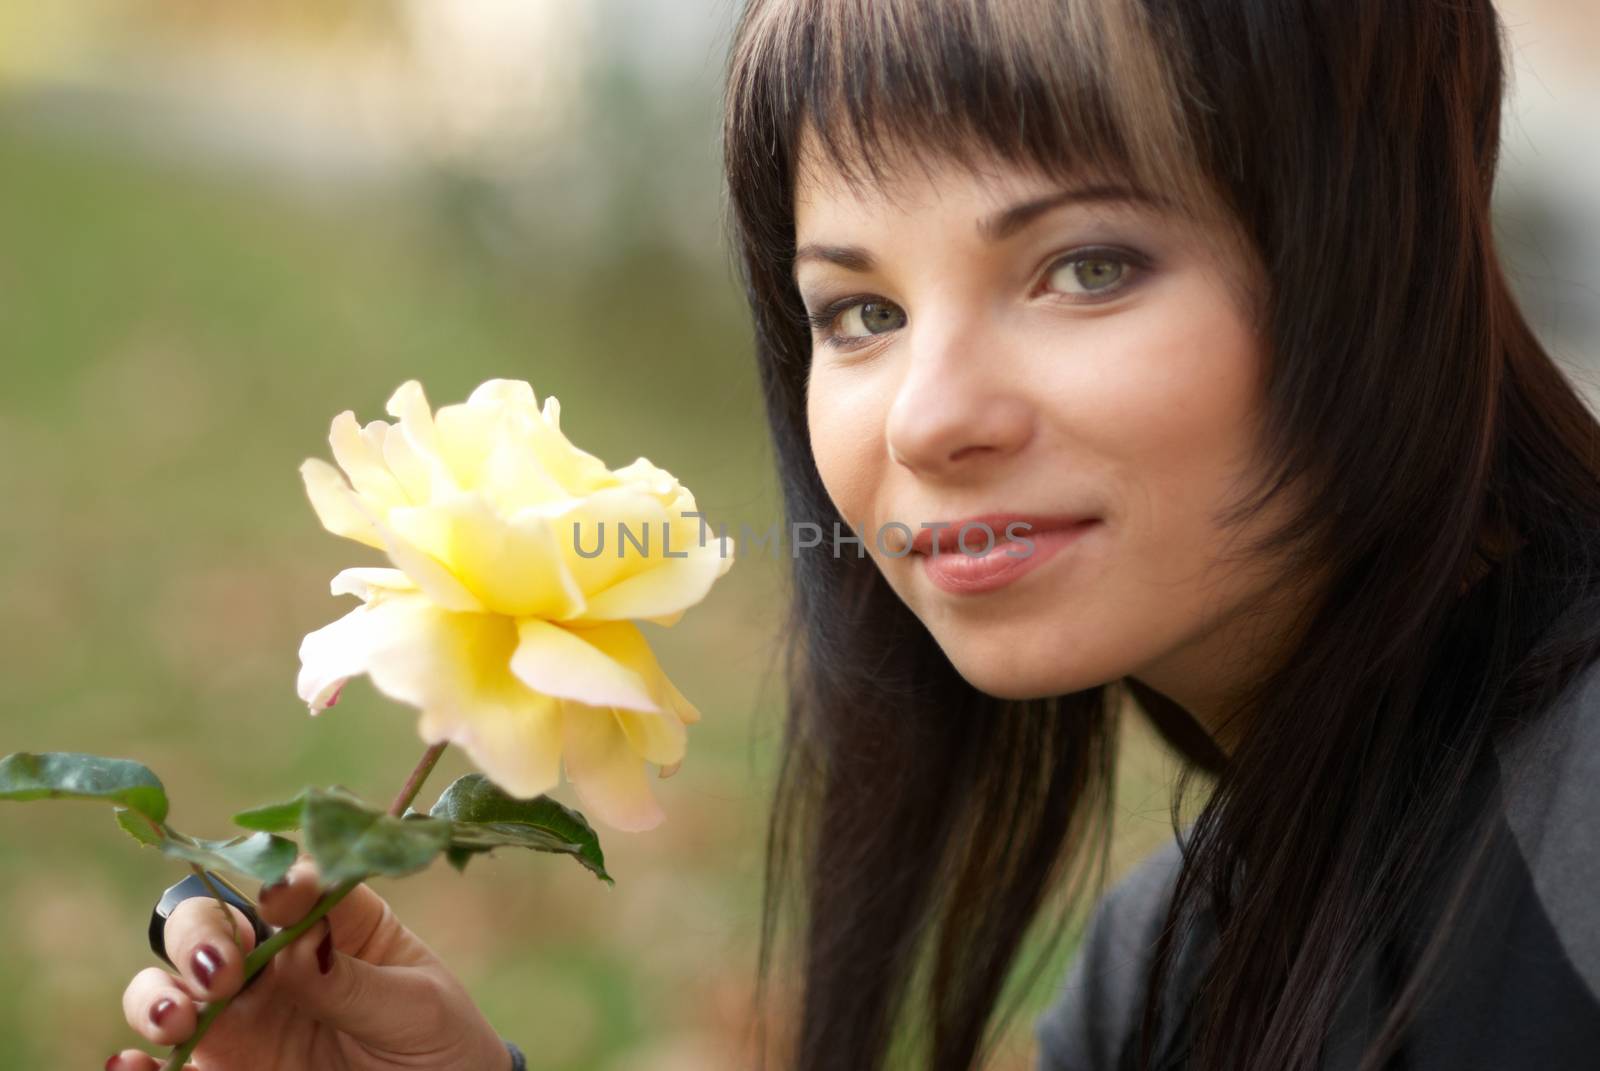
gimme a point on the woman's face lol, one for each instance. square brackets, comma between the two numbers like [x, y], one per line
[1088, 356]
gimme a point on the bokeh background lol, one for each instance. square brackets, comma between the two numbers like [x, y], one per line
[222, 223]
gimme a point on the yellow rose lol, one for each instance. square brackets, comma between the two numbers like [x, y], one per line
[520, 565]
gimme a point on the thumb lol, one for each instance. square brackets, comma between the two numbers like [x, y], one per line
[380, 1006]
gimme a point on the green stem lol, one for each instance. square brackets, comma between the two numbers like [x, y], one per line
[258, 957]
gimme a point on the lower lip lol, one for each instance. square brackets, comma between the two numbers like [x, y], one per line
[968, 574]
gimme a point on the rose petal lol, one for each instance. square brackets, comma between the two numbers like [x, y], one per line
[676, 701]
[592, 541]
[516, 474]
[626, 645]
[336, 505]
[332, 655]
[517, 392]
[579, 471]
[360, 453]
[510, 567]
[411, 472]
[409, 406]
[435, 659]
[658, 738]
[673, 585]
[371, 583]
[609, 777]
[558, 662]
[456, 669]
[467, 435]
[517, 747]
[432, 576]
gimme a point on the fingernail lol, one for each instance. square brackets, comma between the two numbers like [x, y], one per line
[273, 889]
[115, 1063]
[207, 961]
[161, 1008]
[325, 953]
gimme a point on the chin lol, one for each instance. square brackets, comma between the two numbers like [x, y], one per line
[1006, 678]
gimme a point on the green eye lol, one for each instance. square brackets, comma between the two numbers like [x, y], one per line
[1094, 274]
[875, 317]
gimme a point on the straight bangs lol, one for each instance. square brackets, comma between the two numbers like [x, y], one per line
[1067, 89]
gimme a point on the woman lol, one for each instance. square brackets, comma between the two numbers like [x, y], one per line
[1204, 295]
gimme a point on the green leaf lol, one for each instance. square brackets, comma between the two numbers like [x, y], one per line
[261, 855]
[350, 839]
[272, 818]
[73, 776]
[483, 817]
[141, 828]
[288, 815]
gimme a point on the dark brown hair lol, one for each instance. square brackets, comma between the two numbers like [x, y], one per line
[924, 826]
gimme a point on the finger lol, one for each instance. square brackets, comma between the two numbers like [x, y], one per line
[355, 918]
[286, 902]
[382, 1004]
[199, 939]
[134, 1060]
[156, 1005]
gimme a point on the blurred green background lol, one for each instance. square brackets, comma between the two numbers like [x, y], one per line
[221, 225]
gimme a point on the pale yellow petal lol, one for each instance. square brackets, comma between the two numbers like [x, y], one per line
[336, 505]
[409, 406]
[625, 644]
[579, 471]
[467, 435]
[360, 454]
[427, 572]
[347, 647]
[644, 474]
[558, 662]
[510, 567]
[664, 620]
[456, 669]
[611, 535]
[677, 702]
[611, 780]
[658, 738]
[518, 747]
[331, 655]
[368, 584]
[517, 392]
[411, 472]
[671, 585]
[515, 474]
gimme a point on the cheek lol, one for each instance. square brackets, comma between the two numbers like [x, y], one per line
[1170, 405]
[845, 417]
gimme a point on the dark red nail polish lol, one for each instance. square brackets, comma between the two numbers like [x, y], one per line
[325, 953]
[115, 1063]
[206, 962]
[274, 889]
[161, 1009]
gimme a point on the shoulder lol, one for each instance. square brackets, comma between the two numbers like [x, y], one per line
[1550, 786]
[1098, 1004]
[1558, 750]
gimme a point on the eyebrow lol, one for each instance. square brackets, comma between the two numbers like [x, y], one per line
[992, 229]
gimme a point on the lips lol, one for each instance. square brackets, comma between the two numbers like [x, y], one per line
[1024, 525]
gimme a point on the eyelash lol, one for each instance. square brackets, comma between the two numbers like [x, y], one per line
[825, 319]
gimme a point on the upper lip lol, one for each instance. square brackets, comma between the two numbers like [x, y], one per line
[922, 542]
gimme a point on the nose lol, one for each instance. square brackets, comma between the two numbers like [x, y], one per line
[958, 406]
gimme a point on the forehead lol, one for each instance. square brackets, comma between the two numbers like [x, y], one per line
[903, 182]
[833, 203]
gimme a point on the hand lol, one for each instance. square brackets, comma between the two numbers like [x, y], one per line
[375, 998]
